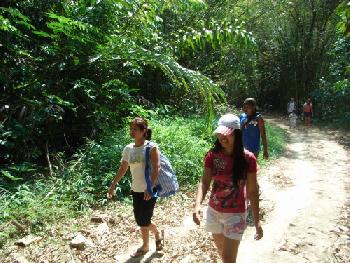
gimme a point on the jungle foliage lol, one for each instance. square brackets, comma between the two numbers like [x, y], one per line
[73, 73]
[72, 70]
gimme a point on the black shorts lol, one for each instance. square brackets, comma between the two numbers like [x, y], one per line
[143, 209]
[307, 114]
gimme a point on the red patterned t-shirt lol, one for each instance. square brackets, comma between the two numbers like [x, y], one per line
[224, 196]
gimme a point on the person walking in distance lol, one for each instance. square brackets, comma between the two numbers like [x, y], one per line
[291, 106]
[232, 169]
[292, 113]
[308, 112]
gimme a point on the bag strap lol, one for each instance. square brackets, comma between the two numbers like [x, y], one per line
[147, 170]
[257, 115]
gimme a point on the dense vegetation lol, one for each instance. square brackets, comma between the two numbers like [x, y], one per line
[73, 72]
[83, 181]
[71, 68]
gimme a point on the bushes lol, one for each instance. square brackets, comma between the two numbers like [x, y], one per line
[93, 169]
[276, 140]
[185, 142]
[333, 102]
[83, 181]
[36, 205]
[332, 98]
[71, 67]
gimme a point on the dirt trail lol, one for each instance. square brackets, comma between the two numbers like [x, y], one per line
[305, 196]
[308, 191]
[305, 202]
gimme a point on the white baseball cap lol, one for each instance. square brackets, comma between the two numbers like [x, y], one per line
[227, 124]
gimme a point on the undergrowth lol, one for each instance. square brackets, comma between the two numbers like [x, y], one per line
[83, 181]
[276, 140]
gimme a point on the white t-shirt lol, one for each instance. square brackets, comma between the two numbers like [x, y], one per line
[293, 116]
[135, 156]
[291, 106]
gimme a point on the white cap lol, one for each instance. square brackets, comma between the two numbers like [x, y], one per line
[227, 124]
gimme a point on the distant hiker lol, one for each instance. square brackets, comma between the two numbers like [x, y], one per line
[253, 126]
[291, 106]
[308, 112]
[292, 120]
[143, 202]
[233, 172]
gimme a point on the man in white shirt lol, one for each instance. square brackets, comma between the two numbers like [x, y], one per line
[291, 106]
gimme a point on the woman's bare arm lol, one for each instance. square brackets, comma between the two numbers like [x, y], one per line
[202, 190]
[120, 173]
[253, 196]
[262, 129]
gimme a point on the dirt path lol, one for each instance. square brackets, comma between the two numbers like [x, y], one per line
[305, 200]
[308, 192]
[305, 196]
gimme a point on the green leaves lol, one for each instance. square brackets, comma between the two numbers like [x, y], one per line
[343, 11]
[125, 50]
[6, 25]
[214, 35]
[8, 175]
[73, 29]
[16, 16]
[72, 68]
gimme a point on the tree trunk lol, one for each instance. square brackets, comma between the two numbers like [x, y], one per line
[48, 157]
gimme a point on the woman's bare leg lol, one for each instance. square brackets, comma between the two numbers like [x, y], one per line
[230, 250]
[219, 242]
[227, 248]
[145, 238]
[153, 228]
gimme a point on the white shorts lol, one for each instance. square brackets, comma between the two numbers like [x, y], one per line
[231, 225]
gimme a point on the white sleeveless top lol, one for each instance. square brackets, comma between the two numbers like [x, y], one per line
[135, 157]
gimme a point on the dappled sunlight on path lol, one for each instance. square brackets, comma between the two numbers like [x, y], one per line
[303, 225]
[304, 203]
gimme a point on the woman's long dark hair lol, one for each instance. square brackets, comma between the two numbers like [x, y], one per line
[239, 172]
[143, 125]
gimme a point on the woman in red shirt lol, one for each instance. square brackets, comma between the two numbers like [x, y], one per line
[308, 112]
[233, 172]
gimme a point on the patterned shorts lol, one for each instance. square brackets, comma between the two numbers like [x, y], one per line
[231, 225]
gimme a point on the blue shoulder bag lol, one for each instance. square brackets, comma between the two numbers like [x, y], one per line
[166, 184]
